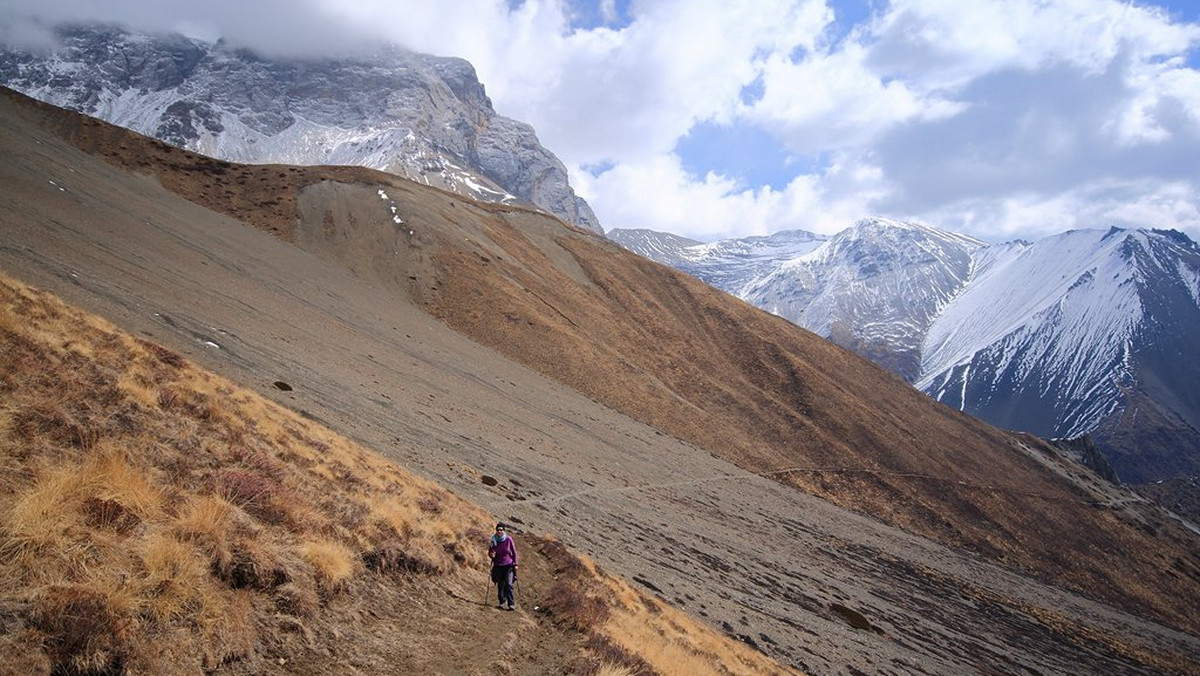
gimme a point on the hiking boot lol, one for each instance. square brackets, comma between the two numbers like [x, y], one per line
[511, 607]
[501, 606]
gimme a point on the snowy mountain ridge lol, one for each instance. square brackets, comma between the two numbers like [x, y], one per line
[423, 117]
[1086, 332]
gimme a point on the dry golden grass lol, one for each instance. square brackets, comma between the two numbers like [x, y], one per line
[142, 498]
[638, 633]
[333, 562]
[155, 518]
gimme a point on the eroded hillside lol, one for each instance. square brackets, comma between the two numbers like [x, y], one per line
[346, 323]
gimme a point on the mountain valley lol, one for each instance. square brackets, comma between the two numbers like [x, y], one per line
[779, 487]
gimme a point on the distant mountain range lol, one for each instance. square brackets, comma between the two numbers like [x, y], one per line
[423, 117]
[1087, 332]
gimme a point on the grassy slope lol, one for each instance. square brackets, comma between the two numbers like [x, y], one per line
[155, 518]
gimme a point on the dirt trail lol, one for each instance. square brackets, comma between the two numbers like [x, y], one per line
[447, 627]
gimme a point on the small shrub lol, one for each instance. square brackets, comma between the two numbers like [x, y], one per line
[259, 495]
[162, 354]
[84, 632]
[574, 608]
[396, 558]
[109, 514]
[429, 504]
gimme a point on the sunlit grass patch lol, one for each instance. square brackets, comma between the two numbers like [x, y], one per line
[160, 501]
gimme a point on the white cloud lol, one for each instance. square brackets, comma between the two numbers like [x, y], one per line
[1004, 118]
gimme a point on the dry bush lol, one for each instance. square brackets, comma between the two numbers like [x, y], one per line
[574, 607]
[257, 494]
[257, 563]
[393, 558]
[671, 642]
[636, 632]
[84, 629]
[165, 355]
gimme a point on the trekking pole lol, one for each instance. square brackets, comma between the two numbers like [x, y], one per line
[487, 591]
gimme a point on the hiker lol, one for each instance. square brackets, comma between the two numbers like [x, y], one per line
[503, 553]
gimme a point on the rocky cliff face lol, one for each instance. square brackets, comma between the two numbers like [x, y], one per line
[426, 118]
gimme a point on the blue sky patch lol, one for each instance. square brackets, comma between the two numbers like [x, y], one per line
[753, 92]
[740, 151]
[849, 13]
[597, 169]
[589, 14]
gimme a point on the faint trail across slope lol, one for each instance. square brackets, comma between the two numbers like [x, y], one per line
[831, 470]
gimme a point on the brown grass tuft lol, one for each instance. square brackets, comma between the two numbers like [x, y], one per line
[333, 562]
[173, 577]
[165, 355]
[393, 558]
[84, 631]
[42, 525]
[258, 494]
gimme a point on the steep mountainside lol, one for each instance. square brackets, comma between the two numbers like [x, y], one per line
[803, 499]
[1085, 332]
[874, 288]
[1089, 332]
[423, 117]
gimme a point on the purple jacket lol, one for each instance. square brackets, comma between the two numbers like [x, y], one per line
[503, 552]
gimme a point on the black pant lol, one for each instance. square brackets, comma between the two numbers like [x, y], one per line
[504, 576]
